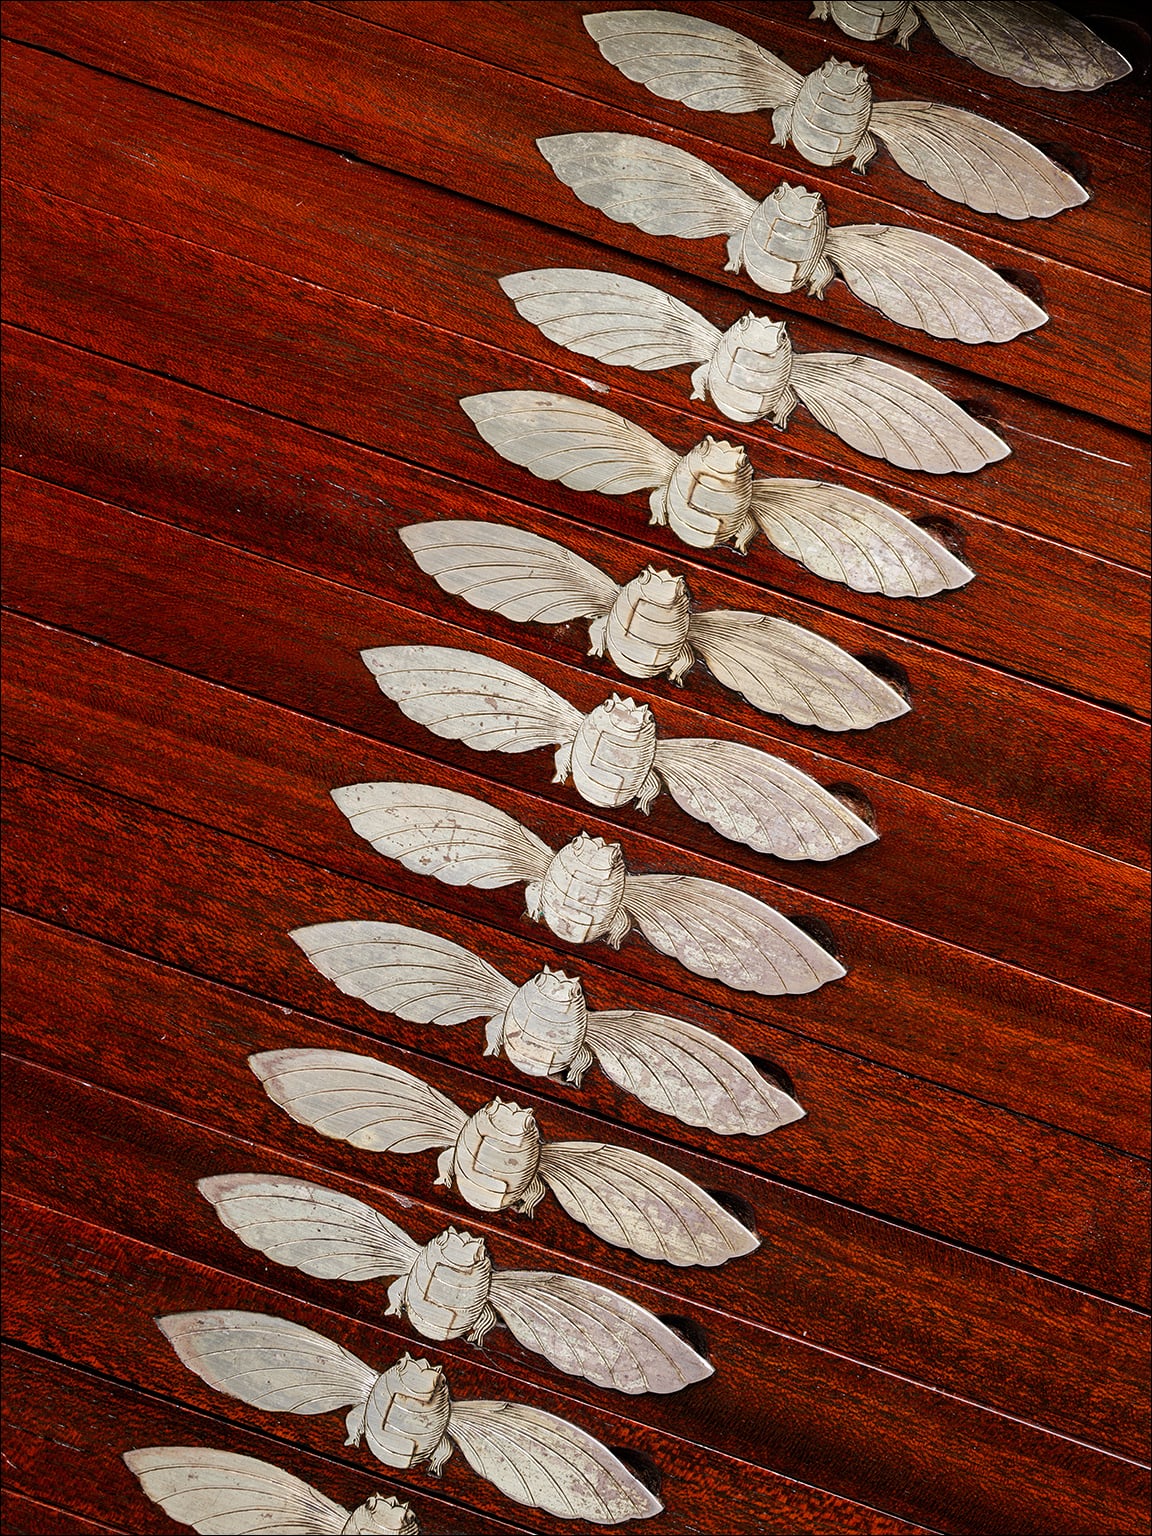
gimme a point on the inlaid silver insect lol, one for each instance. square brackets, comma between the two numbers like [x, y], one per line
[1028, 41]
[584, 892]
[543, 1027]
[448, 1288]
[497, 1160]
[785, 243]
[407, 1416]
[750, 372]
[710, 495]
[829, 116]
[647, 626]
[219, 1491]
[613, 755]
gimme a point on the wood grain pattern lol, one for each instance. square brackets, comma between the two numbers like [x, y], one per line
[66, 1429]
[395, 98]
[126, 1284]
[345, 503]
[112, 736]
[181, 169]
[118, 599]
[154, 1195]
[875, 1293]
[253, 255]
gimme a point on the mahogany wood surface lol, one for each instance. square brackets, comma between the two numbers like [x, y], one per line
[390, 97]
[1031, 595]
[1064, 767]
[252, 255]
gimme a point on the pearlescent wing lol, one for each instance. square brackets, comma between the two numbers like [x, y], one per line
[268, 1362]
[785, 670]
[582, 445]
[845, 536]
[1028, 41]
[308, 1227]
[434, 831]
[587, 1330]
[510, 571]
[219, 1493]
[973, 160]
[546, 1463]
[723, 933]
[930, 285]
[657, 187]
[683, 58]
[356, 1099]
[405, 971]
[634, 1202]
[680, 1070]
[464, 696]
[754, 798]
[615, 319]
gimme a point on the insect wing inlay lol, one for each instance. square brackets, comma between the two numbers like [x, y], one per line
[648, 627]
[583, 891]
[1029, 41]
[217, 1491]
[613, 755]
[544, 1028]
[785, 243]
[497, 1160]
[583, 1329]
[829, 115]
[711, 497]
[406, 1415]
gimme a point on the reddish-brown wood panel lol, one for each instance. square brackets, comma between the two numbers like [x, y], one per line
[150, 1163]
[398, 100]
[66, 1430]
[31, 1517]
[60, 1268]
[311, 500]
[112, 736]
[1108, 234]
[222, 618]
[1036, 607]
[839, 1280]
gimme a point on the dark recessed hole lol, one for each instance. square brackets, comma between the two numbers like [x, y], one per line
[984, 412]
[856, 801]
[774, 1074]
[1127, 37]
[950, 534]
[1072, 161]
[816, 928]
[890, 671]
[641, 1467]
[733, 1204]
[1027, 282]
[692, 1334]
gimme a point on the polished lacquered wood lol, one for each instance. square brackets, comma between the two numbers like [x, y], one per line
[252, 257]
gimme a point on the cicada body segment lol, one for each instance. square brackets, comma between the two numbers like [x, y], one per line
[828, 121]
[611, 757]
[446, 1290]
[706, 501]
[494, 1161]
[406, 1414]
[782, 245]
[543, 1028]
[646, 630]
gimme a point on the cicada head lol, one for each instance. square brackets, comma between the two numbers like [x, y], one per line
[843, 79]
[460, 1251]
[382, 1515]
